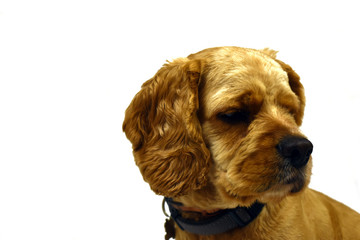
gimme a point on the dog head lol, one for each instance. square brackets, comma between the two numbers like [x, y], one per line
[224, 121]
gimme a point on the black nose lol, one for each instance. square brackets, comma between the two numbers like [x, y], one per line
[296, 150]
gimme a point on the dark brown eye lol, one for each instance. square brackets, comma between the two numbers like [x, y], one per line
[235, 117]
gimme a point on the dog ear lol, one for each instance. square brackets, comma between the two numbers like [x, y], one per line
[296, 87]
[162, 124]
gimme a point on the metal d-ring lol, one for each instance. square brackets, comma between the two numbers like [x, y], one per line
[163, 208]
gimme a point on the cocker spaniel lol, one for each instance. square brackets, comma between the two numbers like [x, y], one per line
[217, 134]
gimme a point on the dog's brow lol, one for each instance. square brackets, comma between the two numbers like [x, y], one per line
[222, 99]
[227, 99]
[218, 94]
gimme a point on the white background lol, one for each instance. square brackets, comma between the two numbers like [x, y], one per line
[69, 68]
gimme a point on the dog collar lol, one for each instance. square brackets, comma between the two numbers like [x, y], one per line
[217, 222]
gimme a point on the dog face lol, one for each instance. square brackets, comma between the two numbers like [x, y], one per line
[224, 121]
[251, 107]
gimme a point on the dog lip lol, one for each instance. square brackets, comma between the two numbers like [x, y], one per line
[297, 183]
[297, 187]
[292, 176]
[292, 180]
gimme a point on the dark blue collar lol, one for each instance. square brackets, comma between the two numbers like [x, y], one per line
[219, 222]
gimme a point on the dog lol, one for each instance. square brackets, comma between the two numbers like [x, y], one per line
[217, 134]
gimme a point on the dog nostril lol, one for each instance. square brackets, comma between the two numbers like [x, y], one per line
[296, 150]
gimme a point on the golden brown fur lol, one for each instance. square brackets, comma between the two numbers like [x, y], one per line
[185, 150]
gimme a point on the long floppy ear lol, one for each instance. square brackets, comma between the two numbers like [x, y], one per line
[162, 124]
[296, 87]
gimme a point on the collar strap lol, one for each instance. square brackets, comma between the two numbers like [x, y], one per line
[219, 222]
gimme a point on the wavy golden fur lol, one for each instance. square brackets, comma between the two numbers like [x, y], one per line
[206, 131]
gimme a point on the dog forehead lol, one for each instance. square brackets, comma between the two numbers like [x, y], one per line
[242, 72]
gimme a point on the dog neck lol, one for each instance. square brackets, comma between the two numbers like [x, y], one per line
[210, 222]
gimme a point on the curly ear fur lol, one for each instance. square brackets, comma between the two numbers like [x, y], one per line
[162, 124]
[296, 87]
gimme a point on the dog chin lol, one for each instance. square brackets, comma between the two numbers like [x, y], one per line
[278, 193]
[289, 183]
[274, 194]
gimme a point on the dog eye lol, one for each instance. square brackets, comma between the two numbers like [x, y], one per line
[234, 117]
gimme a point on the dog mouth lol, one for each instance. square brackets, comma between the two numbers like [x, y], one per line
[296, 179]
[285, 184]
[297, 184]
